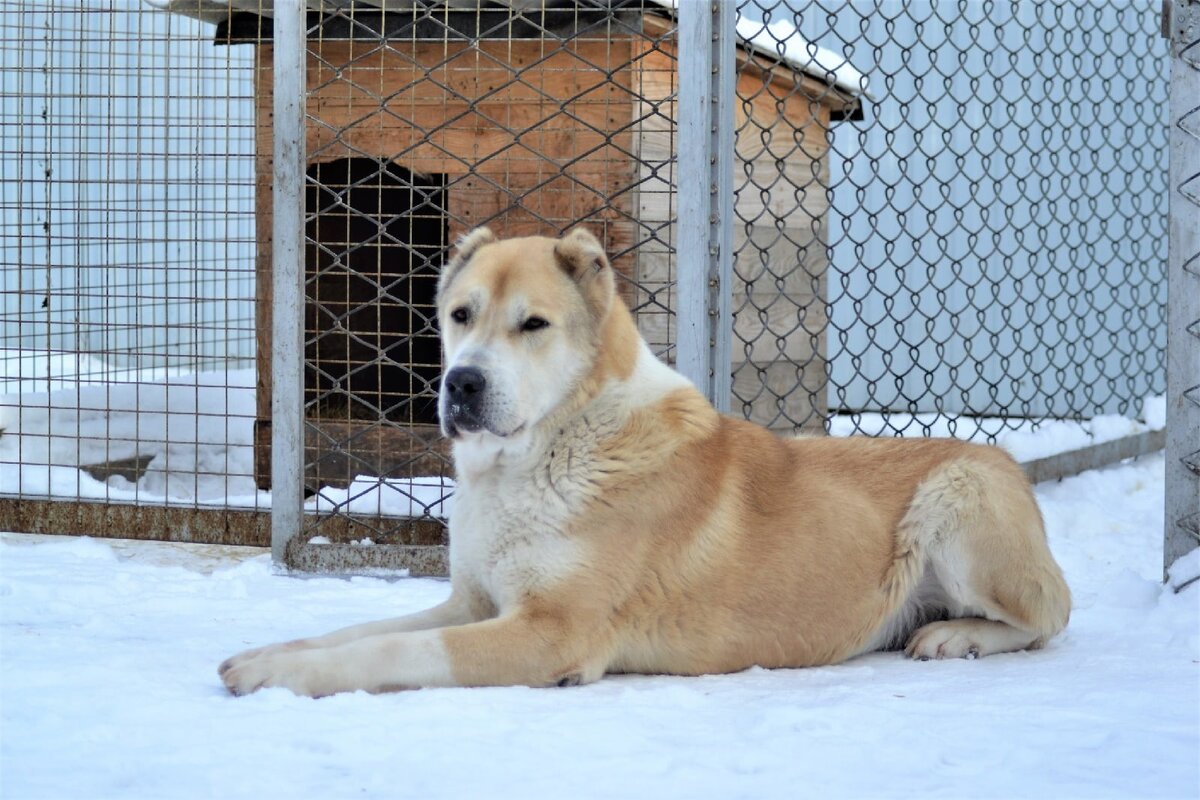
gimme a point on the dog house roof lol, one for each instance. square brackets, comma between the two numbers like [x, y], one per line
[777, 39]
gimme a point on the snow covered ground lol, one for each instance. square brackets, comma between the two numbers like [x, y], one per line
[108, 689]
[65, 411]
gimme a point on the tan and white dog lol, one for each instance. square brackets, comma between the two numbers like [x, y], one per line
[608, 519]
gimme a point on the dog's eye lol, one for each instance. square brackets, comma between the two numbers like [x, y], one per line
[460, 315]
[534, 324]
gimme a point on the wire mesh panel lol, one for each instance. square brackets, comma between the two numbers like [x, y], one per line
[422, 123]
[988, 241]
[126, 360]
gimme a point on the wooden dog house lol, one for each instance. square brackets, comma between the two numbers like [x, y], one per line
[418, 132]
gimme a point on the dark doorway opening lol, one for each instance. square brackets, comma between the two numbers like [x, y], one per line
[377, 234]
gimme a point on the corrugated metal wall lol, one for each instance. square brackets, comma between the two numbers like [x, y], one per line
[127, 192]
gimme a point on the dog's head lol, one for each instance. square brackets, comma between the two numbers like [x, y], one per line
[520, 322]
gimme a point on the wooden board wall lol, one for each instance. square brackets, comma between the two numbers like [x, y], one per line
[532, 136]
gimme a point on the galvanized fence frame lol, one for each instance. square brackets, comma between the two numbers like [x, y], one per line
[703, 312]
[1181, 25]
[287, 366]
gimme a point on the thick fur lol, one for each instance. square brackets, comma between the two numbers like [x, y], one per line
[607, 519]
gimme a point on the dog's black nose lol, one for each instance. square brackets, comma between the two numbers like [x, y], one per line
[464, 384]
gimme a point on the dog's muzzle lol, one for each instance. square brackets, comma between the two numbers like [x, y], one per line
[463, 391]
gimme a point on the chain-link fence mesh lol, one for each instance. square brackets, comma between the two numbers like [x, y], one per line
[990, 241]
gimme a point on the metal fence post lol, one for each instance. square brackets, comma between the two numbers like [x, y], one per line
[704, 257]
[1182, 523]
[287, 267]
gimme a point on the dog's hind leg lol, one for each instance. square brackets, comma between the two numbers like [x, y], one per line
[986, 545]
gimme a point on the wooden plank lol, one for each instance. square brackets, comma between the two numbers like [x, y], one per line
[1073, 462]
[781, 394]
[344, 528]
[548, 202]
[468, 108]
[769, 328]
[656, 268]
[336, 452]
[792, 189]
[430, 73]
[557, 198]
[144, 522]
[451, 151]
[601, 111]
[791, 261]
[347, 559]
[658, 329]
[655, 79]
[416, 545]
[263, 219]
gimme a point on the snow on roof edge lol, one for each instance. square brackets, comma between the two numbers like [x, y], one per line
[782, 40]
[774, 39]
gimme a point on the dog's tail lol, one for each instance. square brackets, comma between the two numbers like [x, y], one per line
[907, 565]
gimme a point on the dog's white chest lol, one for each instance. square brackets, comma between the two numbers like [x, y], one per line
[509, 538]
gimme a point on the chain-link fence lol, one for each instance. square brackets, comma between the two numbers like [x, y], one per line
[988, 242]
[946, 218]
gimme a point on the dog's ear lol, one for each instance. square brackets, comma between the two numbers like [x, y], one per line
[464, 248]
[582, 257]
[579, 254]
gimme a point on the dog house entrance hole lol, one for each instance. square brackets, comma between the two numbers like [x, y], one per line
[376, 235]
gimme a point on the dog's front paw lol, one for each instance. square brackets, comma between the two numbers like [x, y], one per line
[302, 671]
[257, 652]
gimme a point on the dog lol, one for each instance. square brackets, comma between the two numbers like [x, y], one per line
[608, 520]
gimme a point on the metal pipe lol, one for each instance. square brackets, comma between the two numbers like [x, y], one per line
[287, 267]
[704, 230]
[1181, 533]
